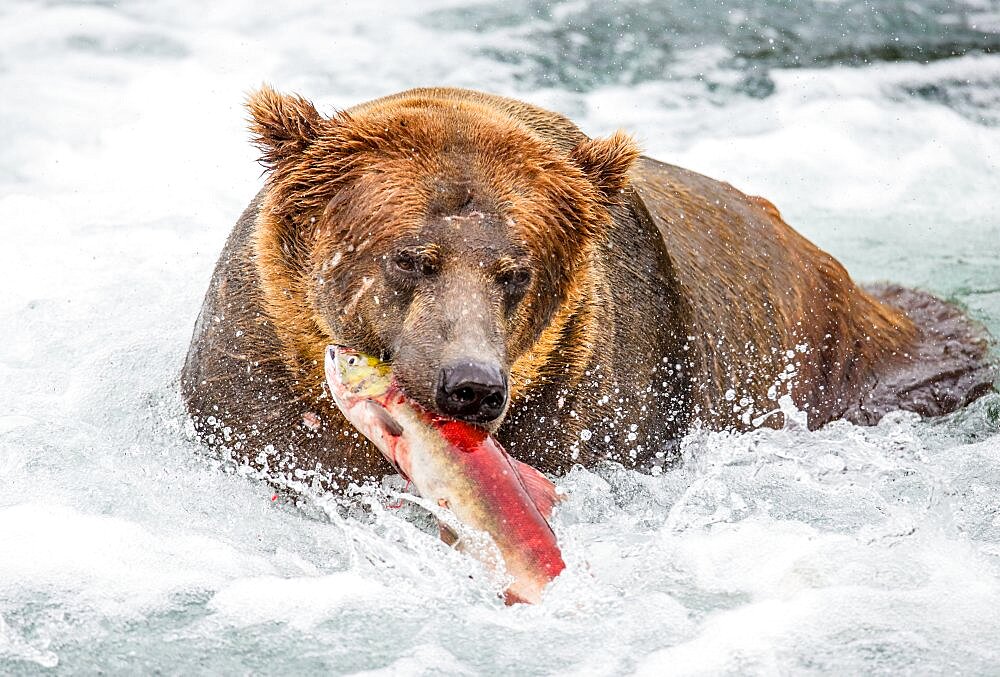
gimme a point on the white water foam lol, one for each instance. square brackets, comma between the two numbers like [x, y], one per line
[125, 549]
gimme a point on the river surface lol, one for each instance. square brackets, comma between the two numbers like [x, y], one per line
[126, 549]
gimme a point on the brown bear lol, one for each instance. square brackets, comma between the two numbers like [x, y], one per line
[579, 300]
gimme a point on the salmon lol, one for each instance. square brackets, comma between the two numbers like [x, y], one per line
[458, 466]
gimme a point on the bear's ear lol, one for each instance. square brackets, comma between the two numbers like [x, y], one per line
[282, 124]
[607, 161]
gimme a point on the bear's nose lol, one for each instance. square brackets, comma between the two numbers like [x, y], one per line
[472, 391]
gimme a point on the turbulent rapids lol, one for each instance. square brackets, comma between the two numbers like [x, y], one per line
[125, 548]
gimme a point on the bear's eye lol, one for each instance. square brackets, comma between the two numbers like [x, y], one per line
[414, 263]
[518, 278]
[404, 261]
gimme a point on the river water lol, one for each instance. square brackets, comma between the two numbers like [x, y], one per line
[125, 549]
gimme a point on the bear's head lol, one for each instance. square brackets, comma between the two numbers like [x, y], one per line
[442, 235]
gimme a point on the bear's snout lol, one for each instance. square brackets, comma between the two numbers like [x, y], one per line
[472, 391]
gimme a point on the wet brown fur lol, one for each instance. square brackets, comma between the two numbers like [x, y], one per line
[660, 298]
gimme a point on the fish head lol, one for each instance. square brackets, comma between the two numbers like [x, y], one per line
[353, 375]
[363, 386]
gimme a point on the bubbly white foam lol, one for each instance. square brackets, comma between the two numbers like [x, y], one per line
[123, 548]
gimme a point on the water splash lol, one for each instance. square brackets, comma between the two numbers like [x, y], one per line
[126, 549]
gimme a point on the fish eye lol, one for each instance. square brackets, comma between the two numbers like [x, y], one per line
[353, 361]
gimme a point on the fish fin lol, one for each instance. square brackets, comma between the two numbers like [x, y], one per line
[389, 424]
[447, 535]
[540, 489]
[511, 598]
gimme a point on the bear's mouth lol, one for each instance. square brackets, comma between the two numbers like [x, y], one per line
[428, 400]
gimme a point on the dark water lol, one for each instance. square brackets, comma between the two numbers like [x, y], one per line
[728, 47]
